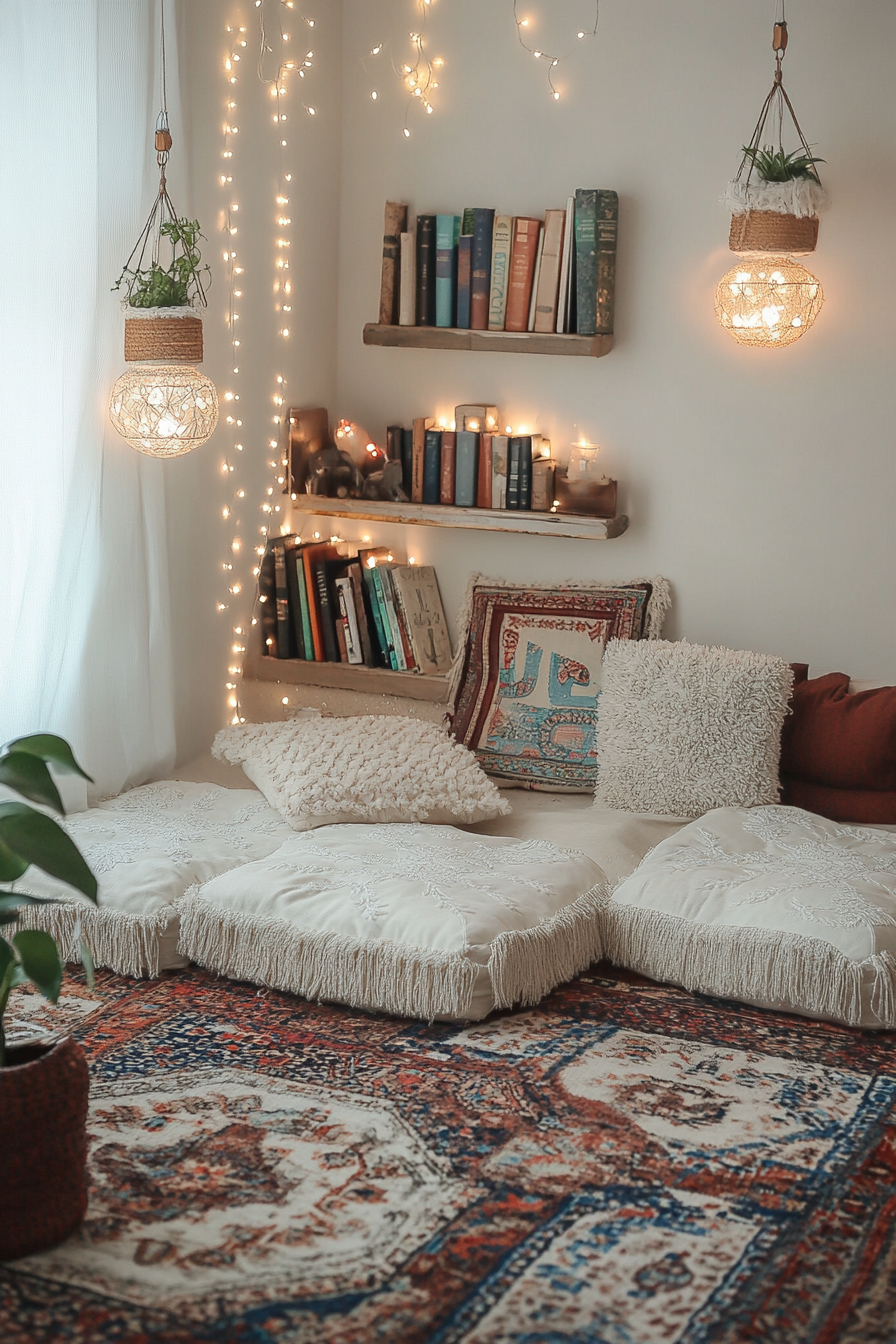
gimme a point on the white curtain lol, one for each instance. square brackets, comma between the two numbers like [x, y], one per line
[85, 645]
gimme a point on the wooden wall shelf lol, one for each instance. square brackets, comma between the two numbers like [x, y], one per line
[577, 525]
[518, 343]
[346, 677]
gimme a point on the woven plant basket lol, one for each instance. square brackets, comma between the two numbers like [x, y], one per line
[163, 338]
[43, 1139]
[769, 231]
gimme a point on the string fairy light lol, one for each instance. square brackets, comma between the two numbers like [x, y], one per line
[418, 75]
[523, 29]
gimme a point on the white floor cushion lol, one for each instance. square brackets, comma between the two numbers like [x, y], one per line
[147, 848]
[419, 920]
[770, 905]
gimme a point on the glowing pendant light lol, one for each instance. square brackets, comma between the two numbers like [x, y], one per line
[163, 406]
[768, 299]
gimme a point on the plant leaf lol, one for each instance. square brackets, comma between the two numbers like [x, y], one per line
[29, 776]
[11, 865]
[38, 838]
[40, 961]
[87, 963]
[50, 748]
[11, 902]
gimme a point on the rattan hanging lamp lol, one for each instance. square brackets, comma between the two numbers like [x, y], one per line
[163, 405]
[768, 299]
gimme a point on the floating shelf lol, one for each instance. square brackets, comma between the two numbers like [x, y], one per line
[578, 525]
[346, 677]
[518, 343]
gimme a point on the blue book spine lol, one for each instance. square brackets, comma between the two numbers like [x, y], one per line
[447, 235]
[525, 494]
[466, 468]
[407, 460]
[481, 268]
[513, 473]
[464, 268]
[432, 466]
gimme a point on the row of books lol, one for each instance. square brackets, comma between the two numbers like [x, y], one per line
[486, 271]
[472, 468]
[320, 605]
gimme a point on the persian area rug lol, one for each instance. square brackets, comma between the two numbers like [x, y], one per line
[625, 1164]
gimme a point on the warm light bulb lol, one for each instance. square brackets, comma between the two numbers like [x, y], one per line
[164, 410]
[768, 301]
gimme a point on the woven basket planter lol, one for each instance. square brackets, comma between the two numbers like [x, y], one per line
[43, 1139]
[770, 231]
[163, 338]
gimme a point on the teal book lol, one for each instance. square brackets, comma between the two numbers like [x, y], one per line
[432, 466]
[466, 468]
[390, 615]
[596, 228]
[447, 234]
[384, 625]
[307, 646]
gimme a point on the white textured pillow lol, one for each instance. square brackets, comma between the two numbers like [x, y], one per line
[771, 905]
[684, 728]
[371, 767]
[424, 921]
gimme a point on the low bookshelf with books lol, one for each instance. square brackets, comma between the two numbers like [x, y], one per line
[483, 280]
[331, 616]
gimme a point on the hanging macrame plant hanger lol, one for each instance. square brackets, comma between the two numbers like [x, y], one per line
[778, 216]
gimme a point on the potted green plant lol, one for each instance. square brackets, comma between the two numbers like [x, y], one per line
[161, 299]
[775, 204]
[43, 1087]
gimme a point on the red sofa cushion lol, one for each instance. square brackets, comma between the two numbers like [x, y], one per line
[838, 751]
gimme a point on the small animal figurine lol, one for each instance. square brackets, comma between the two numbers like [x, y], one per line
[385, 484]
[332, 472]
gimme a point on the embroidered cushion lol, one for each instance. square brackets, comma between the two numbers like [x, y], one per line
[838, 751]
[685, 728]
[525, 687]
[422, 921]
[371, 767]
[771, 905]
[147, 847]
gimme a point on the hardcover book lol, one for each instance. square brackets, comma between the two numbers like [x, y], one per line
[349, 620]
[366, 626]
[407, 461]
[481, 266]
[525, 495]
[530, 324]
[466, 470]
[464, 271]
[307, 647]
[403, 620]
[426, 271]
[407, 290]
[311, 556]
[396, 220]
[484, 477]
[383, 578]
[597, 215]
[376, 582]
[422, 606]
[368, 560]
[543, 484]
[522, 267]
[501, 240]
[432, 465]
[548, 290]
[421, 425]
[499, 471]
[565, 266]
[447, 234]
[291, 546]
[513, 471]
[607, 230]
[285, 635]
[446, 476]
[478, 417]
[267, 602]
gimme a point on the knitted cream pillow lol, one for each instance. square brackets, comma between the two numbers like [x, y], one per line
[318, 771]
[683, 728]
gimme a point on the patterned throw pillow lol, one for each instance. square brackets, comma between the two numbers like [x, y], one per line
[685, 728]
[527, 681]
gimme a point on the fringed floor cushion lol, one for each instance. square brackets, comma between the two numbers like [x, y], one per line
[422, 921]
[147, 847]
[770, 905]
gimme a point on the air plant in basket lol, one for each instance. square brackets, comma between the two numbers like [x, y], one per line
[43, 1086]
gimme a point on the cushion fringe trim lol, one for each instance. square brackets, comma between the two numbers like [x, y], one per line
[802, 975]
[658, 605]
[381, 976]
[526, 964]
[126, 944]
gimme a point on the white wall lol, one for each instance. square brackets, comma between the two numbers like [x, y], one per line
[761, 483]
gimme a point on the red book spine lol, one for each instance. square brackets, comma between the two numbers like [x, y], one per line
[484, 482]
[522, 268]
[446, 483]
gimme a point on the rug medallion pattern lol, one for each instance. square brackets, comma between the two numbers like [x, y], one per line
[625, 1164]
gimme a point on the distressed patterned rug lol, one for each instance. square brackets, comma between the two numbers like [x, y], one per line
[626, 1164]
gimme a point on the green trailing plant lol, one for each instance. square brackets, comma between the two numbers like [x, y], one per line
[773, 165]
[29, 836]
[175, 285]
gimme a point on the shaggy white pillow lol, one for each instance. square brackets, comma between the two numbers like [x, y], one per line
[370, 767]
[683, 728]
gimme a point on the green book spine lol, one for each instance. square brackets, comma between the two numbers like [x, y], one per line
[467, 220]
[307, 637]
[370, 581]
[607, 229]
[586, 262]
[385, 623]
